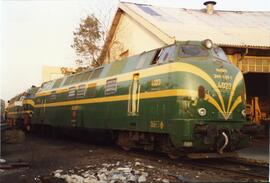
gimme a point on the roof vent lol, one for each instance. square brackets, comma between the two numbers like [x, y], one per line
[209, 7]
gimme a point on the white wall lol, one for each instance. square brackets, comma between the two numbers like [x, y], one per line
[131, 36]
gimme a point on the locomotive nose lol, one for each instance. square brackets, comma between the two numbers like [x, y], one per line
[223, 92]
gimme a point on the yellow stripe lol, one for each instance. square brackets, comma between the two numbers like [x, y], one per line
[28, 101]
[21, 112]
[162, 69]
[167, 68]
[145, 95]
[63, 90]
[44, 93]
[236, 81]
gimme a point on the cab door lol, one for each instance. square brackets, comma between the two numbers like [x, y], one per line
[134, 96]
[42, 111]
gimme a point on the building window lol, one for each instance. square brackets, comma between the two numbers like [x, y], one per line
[124, 54]
[111, 86]
[254, 64]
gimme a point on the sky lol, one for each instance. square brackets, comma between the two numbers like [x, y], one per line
[36, 33]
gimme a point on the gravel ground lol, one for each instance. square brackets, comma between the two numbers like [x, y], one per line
[56, 160]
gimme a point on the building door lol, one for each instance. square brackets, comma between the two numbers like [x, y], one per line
[258, 99]
[134, 96]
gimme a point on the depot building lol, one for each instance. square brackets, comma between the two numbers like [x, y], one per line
[244, 36]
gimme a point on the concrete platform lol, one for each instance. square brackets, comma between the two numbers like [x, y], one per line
[257, 151]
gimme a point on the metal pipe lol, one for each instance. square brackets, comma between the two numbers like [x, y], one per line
[220, 151]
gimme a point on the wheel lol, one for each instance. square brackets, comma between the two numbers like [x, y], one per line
[123, 141]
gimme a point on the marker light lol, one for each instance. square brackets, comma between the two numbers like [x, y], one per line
[202, 111]
[244, 112]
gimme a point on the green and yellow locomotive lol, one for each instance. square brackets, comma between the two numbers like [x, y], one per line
[20, 109]
[182, 98]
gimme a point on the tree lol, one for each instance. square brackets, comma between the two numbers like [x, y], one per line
[88, 41]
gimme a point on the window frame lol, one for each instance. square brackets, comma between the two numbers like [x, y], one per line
[71, 94]
[184, 55]
[110, 86]
[81, 91]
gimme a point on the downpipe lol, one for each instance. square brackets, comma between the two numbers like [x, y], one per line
[220, 151]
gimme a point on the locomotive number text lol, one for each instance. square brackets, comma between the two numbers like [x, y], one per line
[224, 85]
[156, 82]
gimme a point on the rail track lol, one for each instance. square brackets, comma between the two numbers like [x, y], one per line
[253, 171]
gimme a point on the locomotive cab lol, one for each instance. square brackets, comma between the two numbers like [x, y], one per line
[213, 114]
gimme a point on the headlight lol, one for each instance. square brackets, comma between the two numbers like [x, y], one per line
[208, 43]
[202, 111]
[244, 112]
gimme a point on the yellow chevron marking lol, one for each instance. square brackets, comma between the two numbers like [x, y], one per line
[235, 104]
[198, 72]
[236, 81]
[212, 101]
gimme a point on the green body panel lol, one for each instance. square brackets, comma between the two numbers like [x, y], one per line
[173, 115]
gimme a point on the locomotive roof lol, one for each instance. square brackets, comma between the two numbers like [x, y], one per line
[125, 65]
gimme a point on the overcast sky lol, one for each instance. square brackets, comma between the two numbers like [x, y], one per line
[35, 33]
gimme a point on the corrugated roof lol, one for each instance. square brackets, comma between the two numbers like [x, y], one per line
[229, 28]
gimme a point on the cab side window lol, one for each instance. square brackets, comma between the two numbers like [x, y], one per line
[164, 55]
[167, 54]
[156, 57]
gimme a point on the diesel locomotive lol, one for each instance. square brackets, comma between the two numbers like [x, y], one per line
[20, 109]
[185, 98]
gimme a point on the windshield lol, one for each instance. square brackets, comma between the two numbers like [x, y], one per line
[219, 53]
[192, 51]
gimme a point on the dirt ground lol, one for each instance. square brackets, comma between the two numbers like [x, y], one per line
[58, 160]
